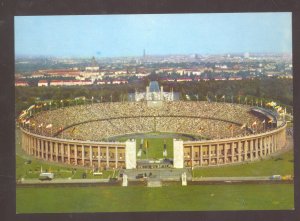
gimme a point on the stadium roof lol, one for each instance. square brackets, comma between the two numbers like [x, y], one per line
[153, 86]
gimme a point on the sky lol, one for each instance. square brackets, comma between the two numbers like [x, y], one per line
[158, 34]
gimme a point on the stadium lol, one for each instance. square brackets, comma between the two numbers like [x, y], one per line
[216, 133]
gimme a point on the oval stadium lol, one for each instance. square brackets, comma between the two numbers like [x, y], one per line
[104, 135]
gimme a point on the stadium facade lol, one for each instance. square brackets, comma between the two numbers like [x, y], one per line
[232, 133]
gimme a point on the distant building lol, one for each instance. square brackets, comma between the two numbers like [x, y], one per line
[42, 83]
[92, 68]
[154, 95]
[220, 79]
[235, 78]
[119, 81]
[21, 84]
[184, 79]
[60, 73]
[70, 83]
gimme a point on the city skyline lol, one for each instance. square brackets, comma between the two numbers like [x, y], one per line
[159, 34]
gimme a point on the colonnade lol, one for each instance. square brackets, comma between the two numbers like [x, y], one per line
[77, 153]
[233, 150]
[186, 153]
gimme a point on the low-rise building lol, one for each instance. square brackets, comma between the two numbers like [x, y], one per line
[21, 83]
[42, 83]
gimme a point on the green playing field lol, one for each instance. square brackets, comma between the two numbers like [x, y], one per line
[167, 198]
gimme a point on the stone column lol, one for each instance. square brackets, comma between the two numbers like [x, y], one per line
[30, 145]
[107, 156]
[51, 151]
[201, 155]
[260, 147]
[47, 151]
[24, 142]
[42, 148]
[91, 156]
[209, 154]
[232, 152]
[62, 150]
[75, 154]
[239, 152]
[275, 142]
[256, 147]
[69, 154]
[33, 146]
[116, 157]
[99, 159]
[225, 154]
[192, 155]
[38, 148]
[263, 146]
[245, 150]
[251, 150]
[272, 143]
[218, 153]
[82, 154]
[56, 151]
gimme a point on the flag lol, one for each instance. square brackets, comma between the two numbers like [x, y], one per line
[49, 126]
[23, 113]
[31, 107]
[271, 104]
[146, 144]
[165, 153]
[139, 154]
[279, 109]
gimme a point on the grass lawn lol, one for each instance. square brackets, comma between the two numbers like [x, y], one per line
[155, 148]
[167, 198]
[276, 165]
